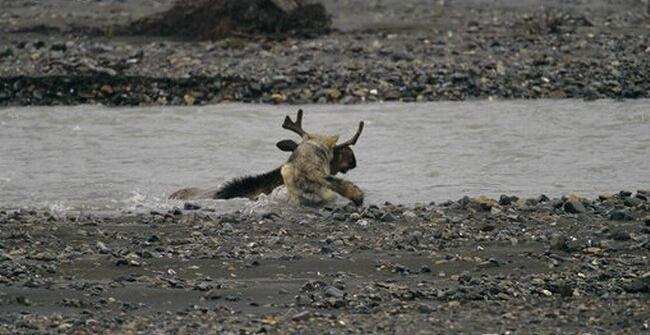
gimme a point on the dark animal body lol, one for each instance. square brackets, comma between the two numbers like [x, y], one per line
[253, 186]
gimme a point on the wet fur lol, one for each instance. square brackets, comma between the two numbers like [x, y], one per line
[250, 186]
[307, 173]
[253, 186]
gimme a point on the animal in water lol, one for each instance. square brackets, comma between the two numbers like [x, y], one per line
[253, 186]
[307, 174]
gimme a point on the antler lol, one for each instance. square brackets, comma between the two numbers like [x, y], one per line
[354, 138]
[296, 127]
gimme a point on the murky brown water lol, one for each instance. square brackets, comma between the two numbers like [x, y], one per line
[99, 158]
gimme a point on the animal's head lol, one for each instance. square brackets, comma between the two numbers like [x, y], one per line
[343, 157]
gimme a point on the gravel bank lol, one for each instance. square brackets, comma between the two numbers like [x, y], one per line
[420, 52]
[468, 266]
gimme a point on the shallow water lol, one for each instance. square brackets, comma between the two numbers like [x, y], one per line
[91, 157]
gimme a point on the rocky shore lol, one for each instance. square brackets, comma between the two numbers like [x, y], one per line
[541, 265]
[424, 51]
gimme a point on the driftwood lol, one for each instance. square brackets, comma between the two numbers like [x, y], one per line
[214, 19]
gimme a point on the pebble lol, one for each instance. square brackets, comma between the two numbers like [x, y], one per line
[620, 215]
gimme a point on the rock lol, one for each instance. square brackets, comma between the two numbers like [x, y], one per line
[632, 202]
[103, 249]
[485, 203]
[639, 285]
[574, 206]
[189, 99]
[188, 206]
[505, 200]
[334, 292]
[278, 98]
[58, 47]
[203, 286]
[388, 217]
[620, 235]
[415, 238]
[620, 215]
[426, 309]
[487, 227]
[402, 55]
[212, 295]
[624, 194]
[333, 94]
[107, 89]
[8, 52]
[302, 316]
[409, 215]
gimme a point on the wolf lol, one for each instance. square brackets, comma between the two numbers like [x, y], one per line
[252, 187]
[307, 174]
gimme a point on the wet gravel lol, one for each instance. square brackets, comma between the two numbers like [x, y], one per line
[475, 265]
[456, 52]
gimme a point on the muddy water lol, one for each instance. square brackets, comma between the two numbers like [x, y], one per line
[98, 158]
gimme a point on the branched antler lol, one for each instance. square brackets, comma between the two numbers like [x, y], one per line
[354, 138]
[296, 127]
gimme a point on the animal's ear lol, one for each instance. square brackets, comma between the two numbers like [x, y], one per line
[330, 141]
[287, 145]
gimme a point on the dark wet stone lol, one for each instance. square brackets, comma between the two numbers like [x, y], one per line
[415, 237]
[388, 217]
[574, 207]
[402, 55]
[632, 202]
[8, 52]
[639, 285]
[624, 194]
[620, 235]
[232, 297]
[203, 286]
[23, 301]
[213, 295]
[426, 309]
[58, 47]
[562, 243]
[189, 206]
[620, 215]
[334, 292]
[505, 200]
[488, 227]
